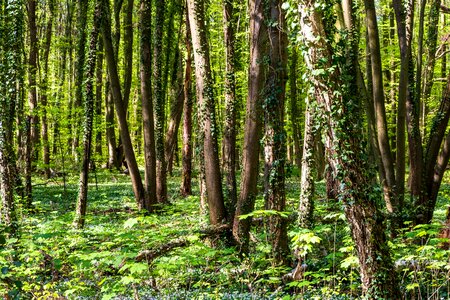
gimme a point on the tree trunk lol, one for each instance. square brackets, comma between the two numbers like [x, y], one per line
[128, 51]
[110, 125]
[99, 98]
[186, 181]
[159, 101]
[346, 151]
[390, 193]
[44, 97]
[175, 112]
[79, 76]
[136, 180]
[147, 105]
[229, 139]
[80, 212]
[205, 96]
[275, 135]
[305, 210]
[295, 113]
[253, 124]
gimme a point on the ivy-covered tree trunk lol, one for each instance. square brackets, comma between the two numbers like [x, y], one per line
[275, 135]
[341, 106]
[44, 96]
[186, 175]
[80, 211]
[79, 76]
[159, 101]
[11, 35]
[99, 98]
[229, 139]
[208, 127]
[294, 109]
[136, 180]
[253, 124]
[305, 210]
[147, 105]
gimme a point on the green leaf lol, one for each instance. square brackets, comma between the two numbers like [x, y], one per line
[130, 223]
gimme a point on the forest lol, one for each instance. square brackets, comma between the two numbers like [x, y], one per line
[205, 149]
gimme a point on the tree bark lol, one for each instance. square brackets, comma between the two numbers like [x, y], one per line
[44, 97]
[253, 124]
[229, 138]
[159, 102]
[128, 51]
[80, 211]
[147, 105]
[99, 98]
[275, 135]
[186, 181]
[294, 110]
[205, 96]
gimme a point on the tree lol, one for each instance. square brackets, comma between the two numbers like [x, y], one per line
[80, 211]
[159, 100]
[136, 180]
[253, 124]
[205, 98]
[275, 136]
[339, 102]
[229, 139]
[147, 106]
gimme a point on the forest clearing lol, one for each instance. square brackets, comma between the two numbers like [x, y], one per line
[224, 149]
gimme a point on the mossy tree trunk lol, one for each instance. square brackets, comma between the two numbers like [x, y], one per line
[80, 212]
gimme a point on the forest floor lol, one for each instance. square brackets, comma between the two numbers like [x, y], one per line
[48, 259]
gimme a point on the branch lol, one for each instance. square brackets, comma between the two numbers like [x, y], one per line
[150, 255]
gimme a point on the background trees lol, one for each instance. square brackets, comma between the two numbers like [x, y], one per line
[365, 81]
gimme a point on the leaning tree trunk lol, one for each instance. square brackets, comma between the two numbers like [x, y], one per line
[147, 105]
[136, 180]
[80, 212]
[205, 96]
[275, 135]
[341, 105]
[186, 183]
[253, 124]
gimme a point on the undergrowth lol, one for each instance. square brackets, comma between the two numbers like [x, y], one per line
[48, 259]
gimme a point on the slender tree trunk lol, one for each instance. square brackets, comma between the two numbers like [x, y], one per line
[186, 183]
[80, 212]
[253, 124]
[99, 98]
[159, 100]
[147, 105]
[205, 96]
[295, 113]
[229, 139]
[79, 76]
[389, 185]
[305, 211]
[44, 97]
[136, 180]
[175, 112]
[344, 133]
[128, 51]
